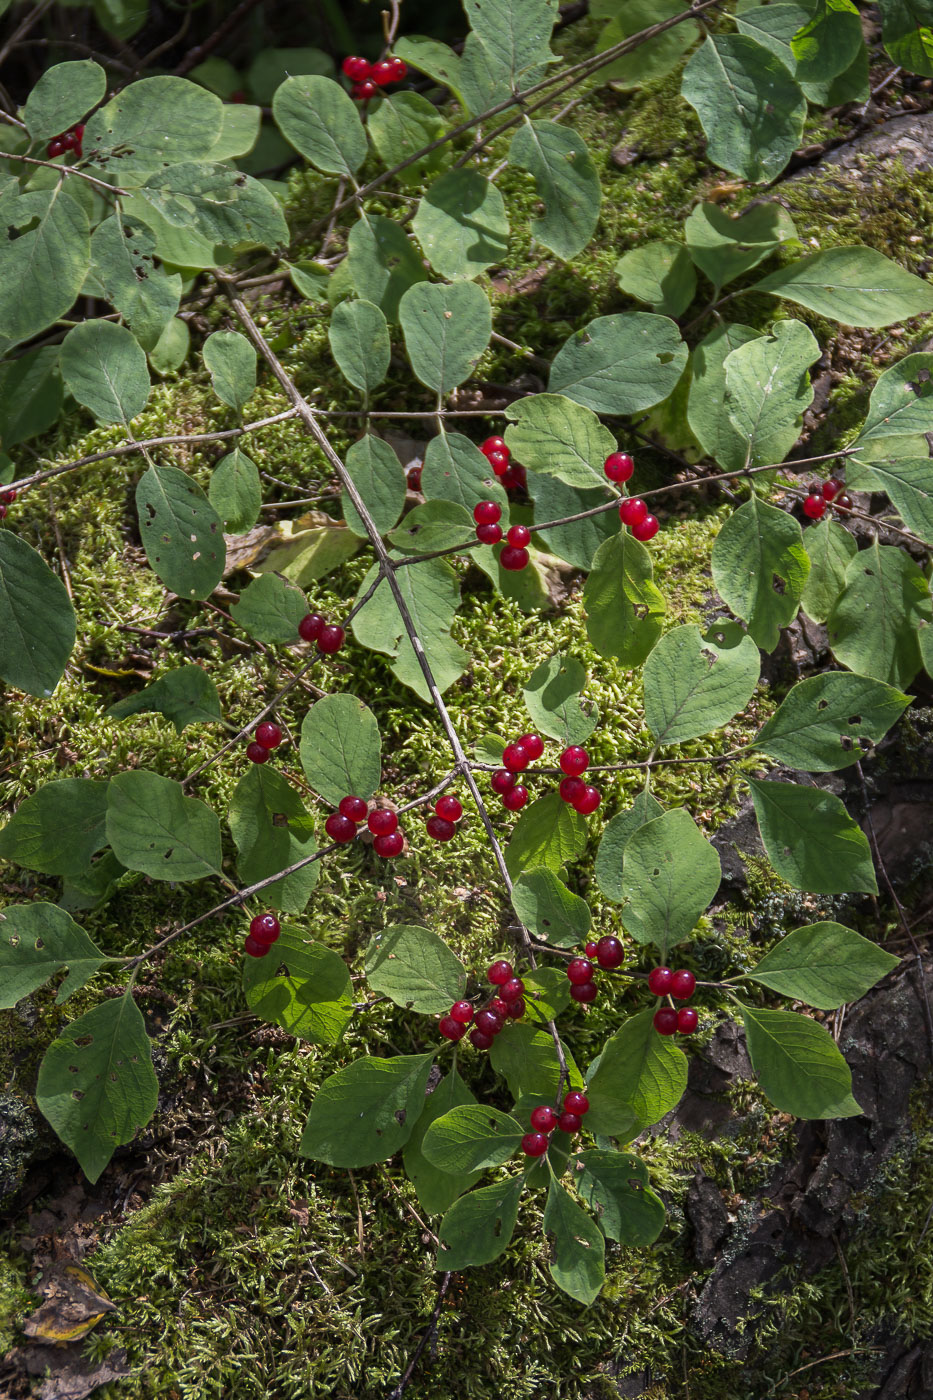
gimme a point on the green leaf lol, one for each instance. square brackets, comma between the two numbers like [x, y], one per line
[44, 246]
[650, 60]
[30, 395]
[620, 364]
[566, 181]
[551, 696]
[578, 1264]
[873, 626]
[578, 541]
[671, 873]
[760, 567]
[517, 32]
[525, 1056]
[624, 608]
[301, 986]
[639, 1076]
[435, 525]
[437, 60]
[547, 992]
[154, 828]
[825, 965]
[551, 911]
[171, 349]
[548, 833]
[725, 247]
[661, 274]
[798, 1065]
[402, 125]
[62, 96]
[415, 968]
[310, 279]
[340, 748]
[550, 433]
[696, 682]
[272, 831]
[446, 330]
[366, 1112]
[617, 1188]
[58, 828]
[462, 225]
[746, 135]
[828, 43]
[105, 369]
[181, 533]
[830, 548]
[359, 342]
[852, 85]
[186, 696]
[774, 26]
[470, 1137]
[96, 1083]
[321, 122]
[218, 203]
[478, 1226]
[431, 594]
[768, 390]
[901, 400]
[707, 413]
[617, 833]
[235, 492]
[909, 483]
[271, 67]
[857, 286]
[36, 942]
[907, 34]
[241, 128]
[37, 619]
[382, 263]
[151, 124]
[827, 721]
[270, 609]
[378, 476]
[437, 1190]
[123, 261]
[455, 470]
[231, 362]
[811, 840]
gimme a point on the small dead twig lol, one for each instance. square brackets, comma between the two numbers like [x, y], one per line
[429, 1334]
[59, 540]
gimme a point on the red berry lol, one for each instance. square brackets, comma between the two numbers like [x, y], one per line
[515, 757]
[265, 928]
[488, 1021]
[68, 142]
[587, 801]
[494, 444]
[353, 807]
[584, 992]
[55, 148]
[632, 511]
[500, 972]
[388, 846]
[269, 735]
[543, 1118]
[499, 1006]
[502, 781]
[382, 822]
[489, 534]
[618, 466]
[451, 1029]
[580, 970]
[570, 1122]
[515, 799]
[340, 828]
[687, 1020]
[487, 513]
[571, 788]
[355, 68]
[413, 478]
[513, 559]
[362, 92]
[499, 461]
[439, 828]
[590, 950]
[843, 502]
[533, 745]
[659, 981]
[462, 1011]
[449, 808]
[480, 1039]
[3, 511]
[665, 1020]
[257, 754]
[683, 984]
[575, 1102]
[79, 131]
[310, 627]
[534, 1144]
[399, 69]
[254, 947]
[831, 488]
[510, 478]
[814, 507]
[513, 989]
[331, 639]
[646, 529]
[516, 1009]
[382, 73]
[518, 536]
[574, 761]
[609, 952]
[8, 496]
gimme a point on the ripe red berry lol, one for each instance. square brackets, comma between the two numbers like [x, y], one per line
[79, 131]
[254, 947]
[499, 1005]
[257, 754]
[515, 799]
[510, 478]
[587, 801]
[480, 1039]
[683, 984]
[3, 511]
[502, 781]
[399, 69]
[543, 1118]
[340, 828]
[8, 496]
[462, 1012]
[831, 488]
[590, 949]
[571, 788]
[584, 991]
[574, 761]
[512, 990]
[609, 952]
[353, 807]
[534, 1144]
[515, 757]
[489, 534]
[265, 928]
[439, 828]
[632, 511]
[580, 970]
[390, 845]
[646, 529]
[488, 1021]
[494, 444]
[618, 466]
[665, 1020]
[449, 808]
[413, 478]
[55, 148]
[687, 1020]
[814, 507]
[382, 822]
[516, 1009]
[331, 639]
[487, 513]
[843, 502]
[355, 68]
[499, 461]
[310, 627]
[575, 1102]
[269, 735]
[533, 745]
[518, 536]
[659, 981]
[500, 972]
[451, 1029]
[69, 142]
[570, 1122]
[382, 73]
[362, 92]
[513, 559]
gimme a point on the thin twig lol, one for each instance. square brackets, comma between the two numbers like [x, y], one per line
[23, 28]
[432, 1328]
[66, 575]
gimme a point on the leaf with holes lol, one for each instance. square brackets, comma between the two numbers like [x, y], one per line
[670, 875]
[827, 722]
[45, 246]
[725, 247]
[661, 274]
[830, 549]
[341, 752]
[218, 203]
[479, 1226]
[231, 363]
[366, 1112]
[462, 225]
[760, 568]
[696, 682]
[446, 330]
[152, 124]
[270, 609]
[857, 286]
[36, 942]
[637, 1078]
[62, 96]
[58, 828]
[105, 369]
[470, 1137]
[37, 619]
[578, 1261]
[182, 536]
[272, 830]
[123, 262]
[553, 435]
[566, 182]
[620, 364]
[321, 122]
[552, 699]
[377, 474]
[301, 986]
[811, 840]
[768, 390]
[415, 968]
[798, 1065]
[186, 696]
[624, 608]
[610, 858]
[824, 965]
[548, 833]
[154, 828]
[235, 491]
[873, 626]
[551, 911]
[617, 1188]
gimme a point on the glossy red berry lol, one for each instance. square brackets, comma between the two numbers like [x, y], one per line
[814, 507]
[382, 73]
[580, 970]
[513, 559]
[265, 928]
[355, 68]
[55, 148]
[462, 1011]
[340, 828]
[451, 1029]
[590, 950]
[489, 534]
[518, 536]
[382, 822]
[487, 513]
[500, 972]
[488, 1021]
[499, 1005]
[390, 845]
[574, 761]
[543, 1118]
[439, 828]
[449, 808]
[843, 502]
[353, 807]
[331, 639]
[534, 1144]
[512, 990]
[79, 131]
[571, 788]
[494, 444]
[632, 511]
[311, 626]
[683, 984]
[269, 735]
[69, 141]
[399, 69]
[587, 801]
[516, 1009]
[502, 781]
[515, 757]
[831, 488]
[665, 1020]
[256, 753]
[609, 952]
[533, 745]
[646, 529]
[659, 981]
[362, 92]
[254, 947]
[575, 1102]
[8, 496]
[687, 1020]
[570, 1122]
[413, 478]
[515, 799]
[618, 466]
[499, 461]
[480, 1039]
[584, 992]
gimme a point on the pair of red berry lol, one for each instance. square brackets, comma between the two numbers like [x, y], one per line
[447, 812]
[499, 457]
[514, 554]
[680, 985]
[367, 78]
[6, 500]
[581, 796]
[263, 931]
[268, 736]
[634, 513]
[69, 140]
[341, 826]
[544, 1120]
[608, 953]
[328, 636]
[814, 507]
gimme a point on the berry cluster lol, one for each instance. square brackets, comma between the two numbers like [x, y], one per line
[68, 141]
[6, 500]
[367, 78]
[823, 495]
[509, 1004]
[680, 985]
[263, 931]
[499, 457]
[544, 1120]
[581, 796]
[447, 812]
[315, 628]
[608, 953]
[268, 736]
[514, 555]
